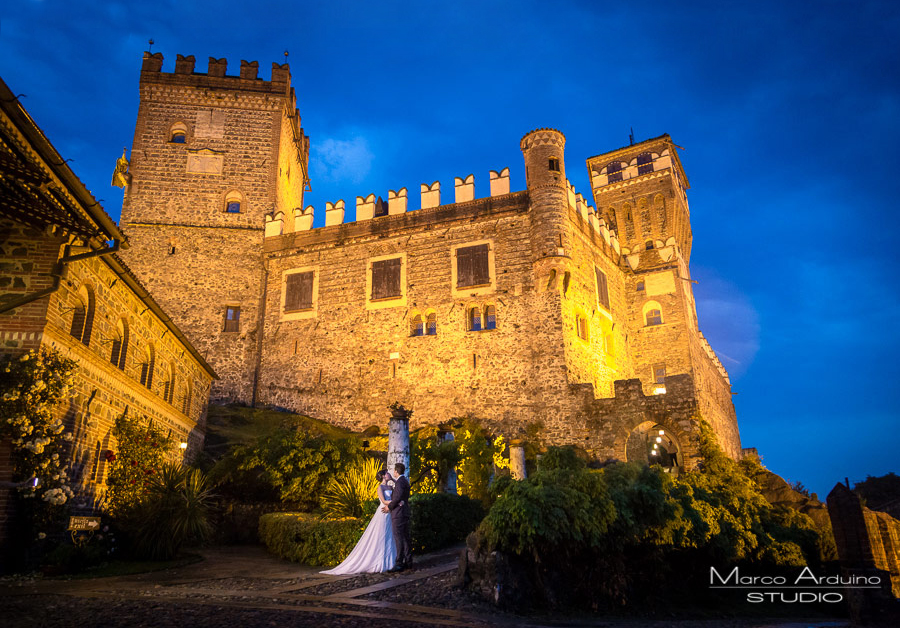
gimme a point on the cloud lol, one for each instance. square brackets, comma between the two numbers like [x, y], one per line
[339, 160]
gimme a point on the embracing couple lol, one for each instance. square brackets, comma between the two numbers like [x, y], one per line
[385, 545]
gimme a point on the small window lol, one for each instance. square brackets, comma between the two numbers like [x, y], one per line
[490, 317]
[178, 133]
[581, 327]
[659, 373]
[553, 165]
[386, 279]
[169, 385]
[602, 288]
[472, 268]
[186, 400]
[640, 286]
[431, 324]
[147, 367]
[119, 353]
[654, 317]
[416, 327]
[233, 201]
[232, 318]
[645, 163]
[473, 319]
[298, 291]
[83, 317]
[649, 245]
[614, 171]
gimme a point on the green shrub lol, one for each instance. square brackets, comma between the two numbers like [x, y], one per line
[561, 458]
[348, 492]
[303, 538]
[442, 519]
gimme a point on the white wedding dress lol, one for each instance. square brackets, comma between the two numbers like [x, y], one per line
[375, 552]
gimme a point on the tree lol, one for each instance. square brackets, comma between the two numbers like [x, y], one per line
[141, 453]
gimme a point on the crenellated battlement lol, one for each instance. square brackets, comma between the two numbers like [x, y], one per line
[216, 74]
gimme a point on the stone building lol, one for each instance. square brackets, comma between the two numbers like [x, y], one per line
[63, 286]
[521, 308]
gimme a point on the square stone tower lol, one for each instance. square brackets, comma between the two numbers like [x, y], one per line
[212, 155]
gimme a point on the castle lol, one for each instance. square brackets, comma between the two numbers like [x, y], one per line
[522, 308]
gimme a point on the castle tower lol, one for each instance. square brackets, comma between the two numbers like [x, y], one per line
[212, 155]
[641, 191]
[545, 178]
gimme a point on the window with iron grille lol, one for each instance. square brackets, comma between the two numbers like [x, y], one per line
[298, 291]
[472, 266]
[147, 369]
[490, 317]
[232, 318]
[553, 164]
[645, 163]
[431, 324]
[659, 373]
[386, 279]
[614, 171]
[602, 288]
[473, 322]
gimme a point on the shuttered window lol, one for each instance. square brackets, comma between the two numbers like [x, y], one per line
[602, 288]
[472, 266]
[77, 323]
[386, 279]
[232, 319]
[298, 291]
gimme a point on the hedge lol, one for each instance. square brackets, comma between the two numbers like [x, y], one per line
[438, 520]
[303, 538]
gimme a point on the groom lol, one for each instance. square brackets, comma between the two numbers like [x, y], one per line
[400, 513]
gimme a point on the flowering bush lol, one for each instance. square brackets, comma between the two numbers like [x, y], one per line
[32, 385]
[141, 454]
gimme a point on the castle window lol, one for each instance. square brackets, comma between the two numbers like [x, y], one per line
[298, 291]
[169, 385]
[416, 326]
[581, 327]
[614, 171]
[232, 318]
[653, 317]
[490, 317]
[386, 278]
[649, 245]
[645, 163]
[178, 133]
[431, 324]
[233, 202]
[602, 288]
[659, 373]
[147, 367]
[119, 352]
[472, 267]
[83, 318]
[640, 286]
[473, 319]
[553, 164]
[186, 400]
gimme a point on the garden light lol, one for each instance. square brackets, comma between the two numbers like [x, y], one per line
[183, 445]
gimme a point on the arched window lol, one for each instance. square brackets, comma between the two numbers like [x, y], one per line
[652, 313]
[582, 327]
[233, 201]
[473, 318]
[178, 133]
[614, 171]
[186, 400]
[431, 324]
[416, 327]
[147, 367]
[83, 318]
[119, 352]
[169, 384]
[95, 468]
[553, 164]
[490, 317]
[649, 245]
[645, 163]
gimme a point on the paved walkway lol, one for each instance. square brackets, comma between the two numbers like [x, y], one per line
[244, 586]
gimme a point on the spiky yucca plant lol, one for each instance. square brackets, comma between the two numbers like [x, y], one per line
[347, 492]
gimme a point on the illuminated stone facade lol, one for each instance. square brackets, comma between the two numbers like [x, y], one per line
[520, 308]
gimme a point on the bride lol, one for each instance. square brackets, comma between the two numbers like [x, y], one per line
[375, 551]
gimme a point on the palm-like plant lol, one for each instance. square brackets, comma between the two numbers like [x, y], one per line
[347, 492]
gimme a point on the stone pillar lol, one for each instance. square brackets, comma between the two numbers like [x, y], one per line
[398, 440]
[451, 475]
[517, 460]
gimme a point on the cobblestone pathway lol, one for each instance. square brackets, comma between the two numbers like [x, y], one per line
[244, 587]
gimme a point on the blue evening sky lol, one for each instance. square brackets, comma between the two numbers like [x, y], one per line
[788, 111]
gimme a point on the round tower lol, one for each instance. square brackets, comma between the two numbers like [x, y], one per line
[545, 179]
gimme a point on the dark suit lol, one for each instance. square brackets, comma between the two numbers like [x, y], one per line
[400, 521]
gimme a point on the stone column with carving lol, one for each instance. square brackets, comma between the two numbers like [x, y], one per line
[517, 460]
[398, 438]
